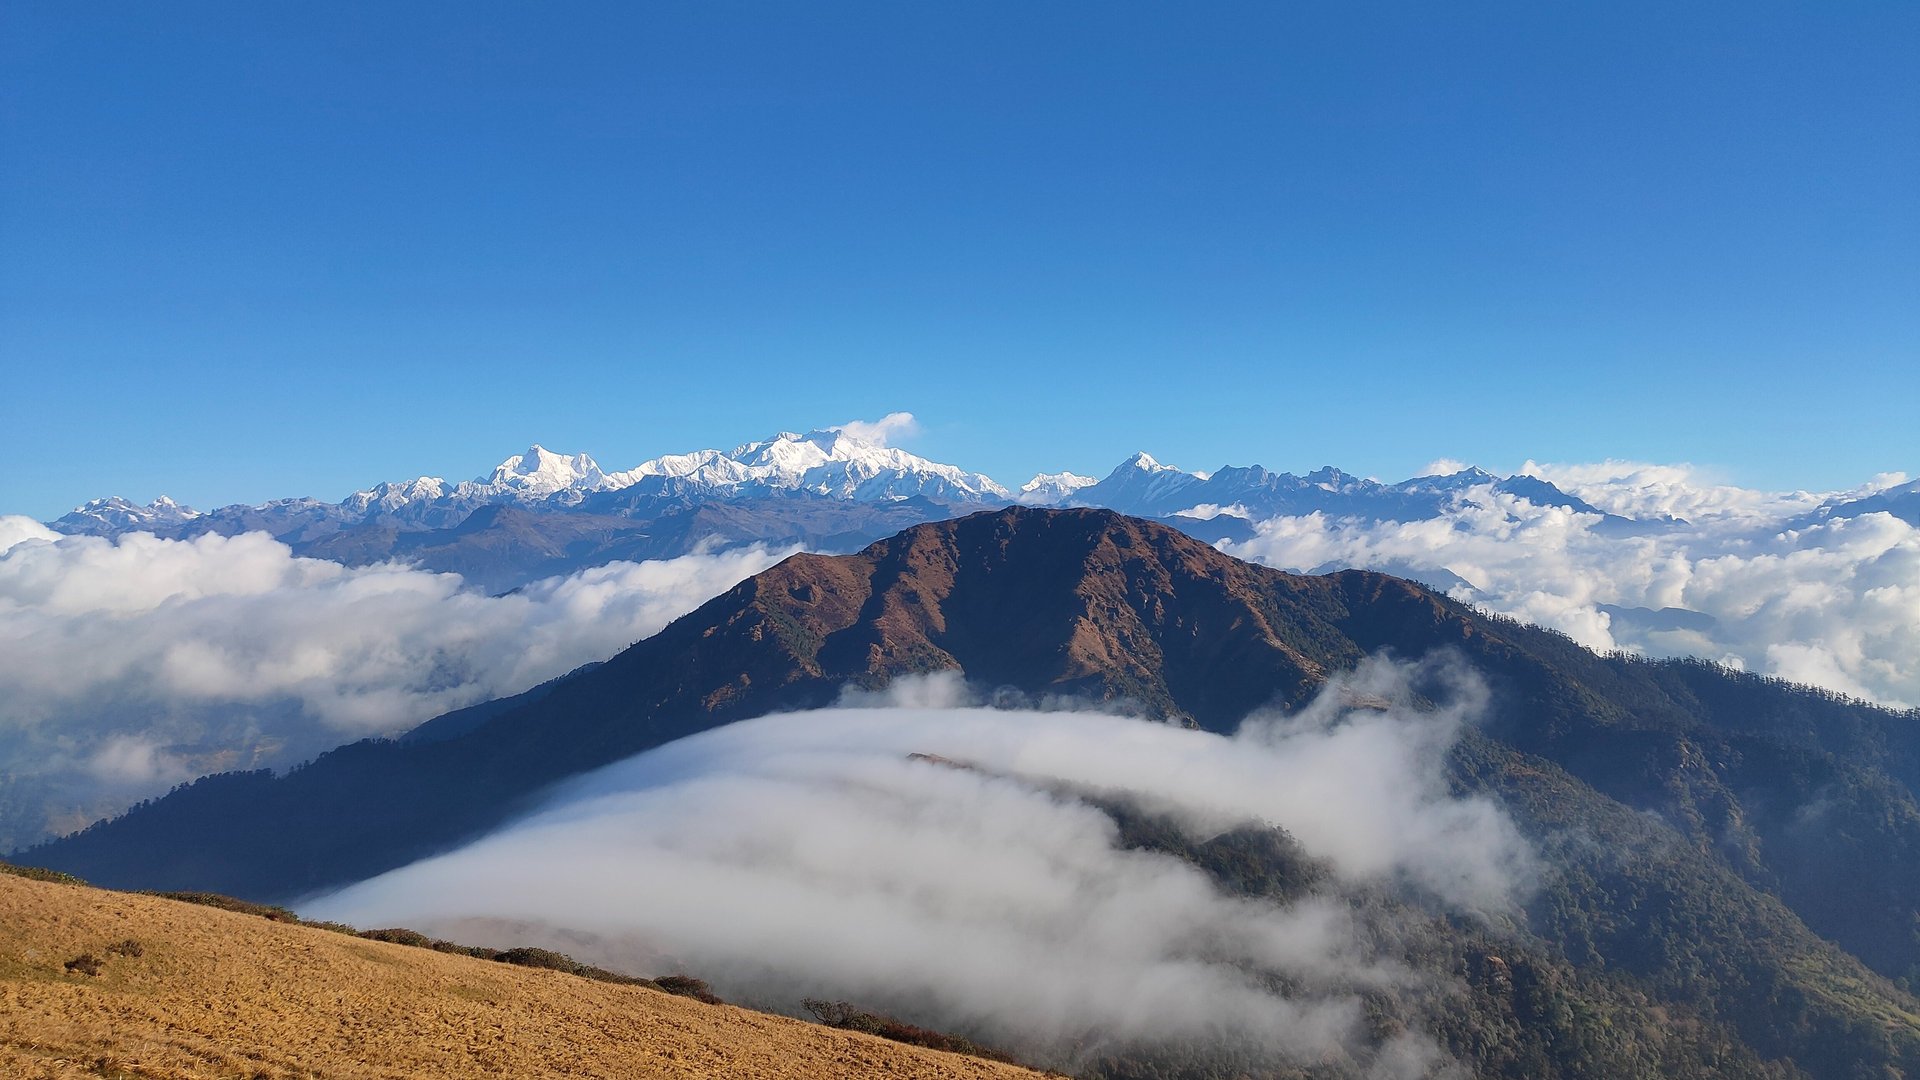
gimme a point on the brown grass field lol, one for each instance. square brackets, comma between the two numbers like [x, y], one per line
[220, 994]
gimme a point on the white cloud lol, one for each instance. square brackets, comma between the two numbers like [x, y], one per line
[15, 529]
[896, 425]
[1445, 466]
[1209, 511]
[136, 663]
[1639, 489]
[804, 854]
[1835, 604]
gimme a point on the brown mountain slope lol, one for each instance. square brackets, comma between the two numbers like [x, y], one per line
[220, 994]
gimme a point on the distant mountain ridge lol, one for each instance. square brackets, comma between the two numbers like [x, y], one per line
[540, 512]
[829, 463]
[1144, 487]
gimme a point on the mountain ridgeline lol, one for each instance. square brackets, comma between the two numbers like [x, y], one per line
[1732, 864]
[539, 513]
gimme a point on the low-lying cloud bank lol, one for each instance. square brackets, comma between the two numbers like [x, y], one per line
[134, 664]
[1748, 578]
[807, 855]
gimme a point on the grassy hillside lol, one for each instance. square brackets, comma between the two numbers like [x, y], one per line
[184, 990]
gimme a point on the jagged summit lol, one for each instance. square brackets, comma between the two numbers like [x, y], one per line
[1048, 489]
[114, 515]
[833, 462]
[541, 472]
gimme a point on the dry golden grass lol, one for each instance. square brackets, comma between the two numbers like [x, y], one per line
[220, 994]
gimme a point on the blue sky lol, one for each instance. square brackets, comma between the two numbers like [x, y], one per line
[254, 250]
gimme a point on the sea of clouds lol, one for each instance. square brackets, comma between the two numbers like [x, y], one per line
[809, 854]
[136, 663]
[1757, 580]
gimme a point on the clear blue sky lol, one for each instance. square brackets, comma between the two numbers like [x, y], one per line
[251, 250]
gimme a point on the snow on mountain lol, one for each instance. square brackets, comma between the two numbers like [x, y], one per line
[534, 476]
[1902, 500]
[540, 473]
[834, 462]
[112, 516]
[707, 468]
[1141, 485]
[393, 495]
[854, 463]
[1049, 489]
[841, 463]
[1461, 479]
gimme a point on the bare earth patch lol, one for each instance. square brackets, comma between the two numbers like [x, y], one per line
[205, 993]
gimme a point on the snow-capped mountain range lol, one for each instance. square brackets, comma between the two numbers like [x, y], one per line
[828, 464]
[831, 462]
[541, 512]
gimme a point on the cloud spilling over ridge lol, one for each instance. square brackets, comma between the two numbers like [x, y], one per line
[136, 663]
[807, 855]
[1834, 603]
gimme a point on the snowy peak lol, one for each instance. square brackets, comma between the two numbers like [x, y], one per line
[1458, 480]
[394, 494]
[114, 515]
[540, 472]
[834, 462]
[1049, 489]
[1141, 485]
[1144, 462]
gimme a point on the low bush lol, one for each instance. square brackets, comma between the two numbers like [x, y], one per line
[85, 964]
[840, 1014]
[38, 873]
[228, 903]
[688, 986]
[400, 935]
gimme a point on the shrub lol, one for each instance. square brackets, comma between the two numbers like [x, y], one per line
[526, 956]
[688, 986]
[400, 935]
[840, 1014]
[228, 903]
[330, 927]
[128, 947]
[85, 964]
[37, 873]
